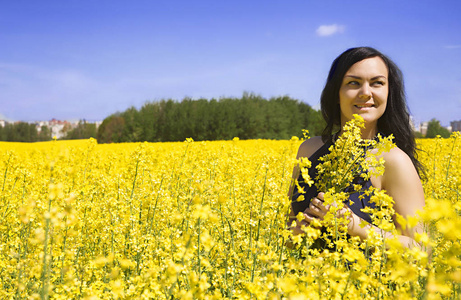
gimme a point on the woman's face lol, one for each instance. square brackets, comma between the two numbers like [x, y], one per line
[364, 91]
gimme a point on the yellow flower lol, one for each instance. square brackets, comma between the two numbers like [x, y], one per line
[123, 223]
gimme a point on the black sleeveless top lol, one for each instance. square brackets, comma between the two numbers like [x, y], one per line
[311, 192]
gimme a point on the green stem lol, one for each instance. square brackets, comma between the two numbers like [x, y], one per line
[44, 277]
[134, 179]
[347, 284]
[155, 205]
[259, 227]
[64, 250]
[6, 171]
[449, 159]
[198, 249]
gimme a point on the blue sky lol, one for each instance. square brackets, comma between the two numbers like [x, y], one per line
[88, 59]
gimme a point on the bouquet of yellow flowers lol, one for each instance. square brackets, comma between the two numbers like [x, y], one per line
[349, 164]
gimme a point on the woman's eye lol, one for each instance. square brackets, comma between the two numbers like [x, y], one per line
[353, 82]
[378, 83]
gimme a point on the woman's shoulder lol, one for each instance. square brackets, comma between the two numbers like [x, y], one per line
[397, 158]
[310, 146]
[401, 181]
[398, 168]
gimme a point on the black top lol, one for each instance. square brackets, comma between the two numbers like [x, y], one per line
[311, 192]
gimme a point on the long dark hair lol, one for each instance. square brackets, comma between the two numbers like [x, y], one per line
[396, 117]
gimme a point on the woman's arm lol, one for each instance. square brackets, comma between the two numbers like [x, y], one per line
[317, 210]
[306, 149]
[354, 229]
[400, 181]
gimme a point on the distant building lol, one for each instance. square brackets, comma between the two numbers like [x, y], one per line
[39, 125]
[413, 123]
[423, 127]
[455, 126]
[57, 128]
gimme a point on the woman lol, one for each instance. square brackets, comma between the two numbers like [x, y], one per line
[363, 81]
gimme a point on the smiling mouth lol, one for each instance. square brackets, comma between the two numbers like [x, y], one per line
[364, 106]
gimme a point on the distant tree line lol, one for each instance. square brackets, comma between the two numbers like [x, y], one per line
[248, 117]
[28, 132]
[84, 130]
[434, 129]
[24, 132]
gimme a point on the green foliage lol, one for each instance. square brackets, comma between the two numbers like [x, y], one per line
[21, 132]
[248, 117]
[110, 131]
[83, 130]
[44, 134]
[418, 135]
[434, 128]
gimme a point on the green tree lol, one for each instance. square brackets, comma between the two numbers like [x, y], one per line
[110, 131]
[226, 115]
[248, 117]
[148, 116]
[418, 135]
[132, 130]
[434, 128]
[19, 132]
[23, 132]
[45, 133]
[84, 130]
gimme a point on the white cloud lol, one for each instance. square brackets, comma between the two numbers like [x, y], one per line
[453, 46]
[21, 75]
[327, 30]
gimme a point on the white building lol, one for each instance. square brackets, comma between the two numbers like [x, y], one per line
[423, 127]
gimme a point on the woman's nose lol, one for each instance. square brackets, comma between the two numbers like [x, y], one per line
[365, 91]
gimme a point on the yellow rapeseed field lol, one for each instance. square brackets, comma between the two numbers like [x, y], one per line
[202, 220]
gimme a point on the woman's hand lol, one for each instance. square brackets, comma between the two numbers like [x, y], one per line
[316, 211]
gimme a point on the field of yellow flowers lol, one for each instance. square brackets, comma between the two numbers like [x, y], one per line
[201, 220]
